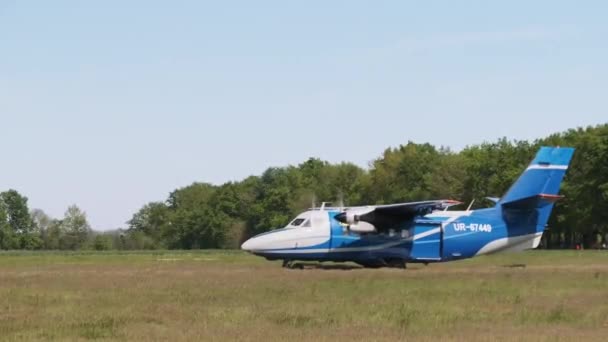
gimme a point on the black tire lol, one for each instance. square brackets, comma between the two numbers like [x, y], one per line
[377, 264]
[396, 263]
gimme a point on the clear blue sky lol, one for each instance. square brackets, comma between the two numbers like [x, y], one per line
[111, 104]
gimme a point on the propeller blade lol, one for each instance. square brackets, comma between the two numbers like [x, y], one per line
[340, 198]
[341, 217]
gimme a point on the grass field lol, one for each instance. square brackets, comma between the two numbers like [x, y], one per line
[212, 295]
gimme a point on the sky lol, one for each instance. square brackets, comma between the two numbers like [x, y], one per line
[112, 104]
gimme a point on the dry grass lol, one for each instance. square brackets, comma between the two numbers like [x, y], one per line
[223, 295]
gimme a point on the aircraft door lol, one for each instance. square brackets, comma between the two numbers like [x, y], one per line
[427, 242]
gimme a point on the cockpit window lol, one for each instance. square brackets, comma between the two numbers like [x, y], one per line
[306, 224]
[297, 222]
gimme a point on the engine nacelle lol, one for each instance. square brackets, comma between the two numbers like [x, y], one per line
[362, 227]
[351, 218]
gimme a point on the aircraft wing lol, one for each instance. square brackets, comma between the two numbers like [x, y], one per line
[409, 208]
[390, 215]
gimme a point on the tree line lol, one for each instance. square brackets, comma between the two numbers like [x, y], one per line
[203, 215]
[22, 229]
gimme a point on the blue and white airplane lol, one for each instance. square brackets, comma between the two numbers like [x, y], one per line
[422, 232]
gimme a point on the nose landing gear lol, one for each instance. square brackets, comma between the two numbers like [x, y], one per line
[290, 264]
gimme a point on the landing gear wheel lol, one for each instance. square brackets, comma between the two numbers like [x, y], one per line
[292, 265]
[396, 263]
[371, 264]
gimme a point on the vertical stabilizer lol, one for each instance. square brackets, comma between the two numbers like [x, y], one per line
[539, 184]
[527, 205]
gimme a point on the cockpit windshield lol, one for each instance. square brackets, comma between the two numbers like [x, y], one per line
[297, 222]
[303, 220]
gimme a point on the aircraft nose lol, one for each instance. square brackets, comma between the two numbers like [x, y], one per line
[251, 244]
[265, 241]
[246, 246]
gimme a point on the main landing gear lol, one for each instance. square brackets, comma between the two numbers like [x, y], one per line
[392, 263]
[396, 263]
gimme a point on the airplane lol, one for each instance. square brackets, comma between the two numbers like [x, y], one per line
[422, 232]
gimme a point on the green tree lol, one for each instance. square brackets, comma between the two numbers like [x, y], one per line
[446, 180]
[7, 236]
[41, 222]
[136, 240]
[22, 230]
[102, 242]
[54, 235]
[195, 221]
[275, 192]
[75, 228]
[18, 213]
[401, 174]
[490, 168]
[152, 220]
[582, 214]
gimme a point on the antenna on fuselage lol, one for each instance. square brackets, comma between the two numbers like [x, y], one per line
[470, 205]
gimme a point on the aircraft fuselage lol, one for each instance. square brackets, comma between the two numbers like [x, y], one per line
[439, 236]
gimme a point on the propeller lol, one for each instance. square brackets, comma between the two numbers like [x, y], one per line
[313, 199]
[340, 201]
[341, 217]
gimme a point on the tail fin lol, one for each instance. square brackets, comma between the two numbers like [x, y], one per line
[539, 185]
[527, 205]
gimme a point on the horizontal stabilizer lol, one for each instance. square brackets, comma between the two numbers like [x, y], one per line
[551, 198]
[531, 202]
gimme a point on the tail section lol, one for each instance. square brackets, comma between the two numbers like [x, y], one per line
[527, 205]
[539, 185]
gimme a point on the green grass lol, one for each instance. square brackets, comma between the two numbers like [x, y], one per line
[219, 295]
